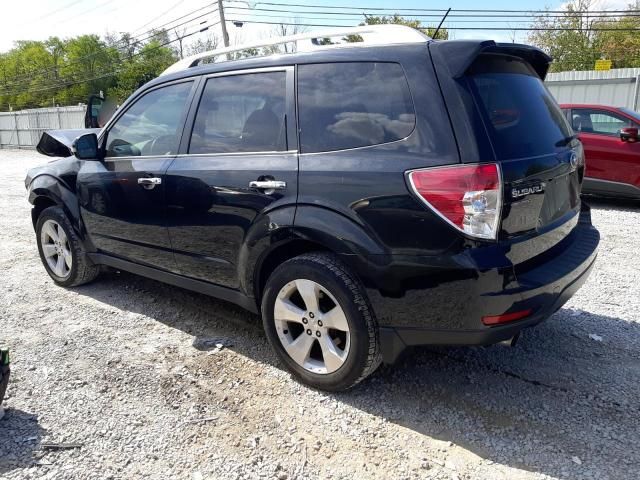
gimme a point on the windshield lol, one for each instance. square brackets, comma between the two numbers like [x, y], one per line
[633, 114]
[521, 116]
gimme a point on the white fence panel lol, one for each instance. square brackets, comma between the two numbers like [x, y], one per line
[22, 129]
[618, 87]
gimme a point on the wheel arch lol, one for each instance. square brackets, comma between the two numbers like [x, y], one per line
[316, 229]
[40, 203]
[48, 191]
[276, 256]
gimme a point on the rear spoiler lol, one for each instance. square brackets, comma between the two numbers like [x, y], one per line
[460, 54]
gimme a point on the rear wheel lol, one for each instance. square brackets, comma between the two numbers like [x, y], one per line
[61, 251]
[319, 322]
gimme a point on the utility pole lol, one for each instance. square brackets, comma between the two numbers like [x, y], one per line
[225, 34]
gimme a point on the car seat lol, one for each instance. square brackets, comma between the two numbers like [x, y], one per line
[582, 122]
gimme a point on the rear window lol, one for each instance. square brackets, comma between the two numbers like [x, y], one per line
[521, 116]
[349, 105]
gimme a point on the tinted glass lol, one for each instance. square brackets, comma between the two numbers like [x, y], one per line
[522, 118]
[152, 125]
[241, 113]
[631, 113]
[599, 121]
[348, 105]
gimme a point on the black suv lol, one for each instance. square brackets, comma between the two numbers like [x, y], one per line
[362, 199]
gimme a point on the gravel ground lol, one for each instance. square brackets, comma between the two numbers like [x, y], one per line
[123, 368]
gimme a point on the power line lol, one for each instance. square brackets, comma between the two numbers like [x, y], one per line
[349, 11]
[295, 16]
[84, 12]
[57, 10]
[160, 15]
[398, 10]
[452, 28]
[435, 16]
[105, 75]
[134, 40]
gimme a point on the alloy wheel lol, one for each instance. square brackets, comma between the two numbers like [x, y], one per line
[312, 326]
[56, 249]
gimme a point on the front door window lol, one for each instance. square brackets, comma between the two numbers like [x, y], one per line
[152, 125]
[599, 122]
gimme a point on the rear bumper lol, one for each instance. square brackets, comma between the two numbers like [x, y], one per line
[395, 340]
[608, 188]
[542, 285]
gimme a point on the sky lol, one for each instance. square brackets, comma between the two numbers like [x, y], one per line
[40, 19]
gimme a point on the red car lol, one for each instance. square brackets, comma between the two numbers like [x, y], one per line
[612, 149]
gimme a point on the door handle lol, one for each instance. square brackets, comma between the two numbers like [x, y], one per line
[268, 185]
[149, 182]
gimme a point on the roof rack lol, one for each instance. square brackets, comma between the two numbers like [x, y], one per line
[370, 34]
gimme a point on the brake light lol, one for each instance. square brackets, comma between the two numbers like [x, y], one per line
[506, 317]
[469, 197]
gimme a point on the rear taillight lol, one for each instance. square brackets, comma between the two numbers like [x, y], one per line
[469, 197]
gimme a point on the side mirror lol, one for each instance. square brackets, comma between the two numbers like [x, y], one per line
[629, 134]
[85, 147]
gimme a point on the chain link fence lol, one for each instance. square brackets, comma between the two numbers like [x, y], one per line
[22, 129]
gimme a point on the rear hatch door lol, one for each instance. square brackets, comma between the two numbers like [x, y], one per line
[502, 112]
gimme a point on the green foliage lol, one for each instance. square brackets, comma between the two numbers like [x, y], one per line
[622, 47]
[147, 64]
[576, 39]
[63, 72]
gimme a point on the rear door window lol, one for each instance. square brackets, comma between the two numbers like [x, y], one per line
[242, 113]
[349, 105]
[522, 118]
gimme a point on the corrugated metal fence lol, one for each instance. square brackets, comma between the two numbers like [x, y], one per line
[22, 129]
[619, 87]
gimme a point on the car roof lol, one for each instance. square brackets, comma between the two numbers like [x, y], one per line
[386, 53]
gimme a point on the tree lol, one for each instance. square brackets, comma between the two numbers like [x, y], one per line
[126, 44]
[149, 62]
[569, 38]
[396, 19]
[576, 38]
[87, 58]
[57, 50]
[284, 30]
[206, 44]
[622, 47]
[179, 37]
[55, 71]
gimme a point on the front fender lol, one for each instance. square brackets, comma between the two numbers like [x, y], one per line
[54, 189]
[45, 186]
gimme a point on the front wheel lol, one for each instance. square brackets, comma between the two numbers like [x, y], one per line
[319, 322]
[61, 250]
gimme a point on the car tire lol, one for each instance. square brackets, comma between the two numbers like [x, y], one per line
[61, 251]
[330, 343]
